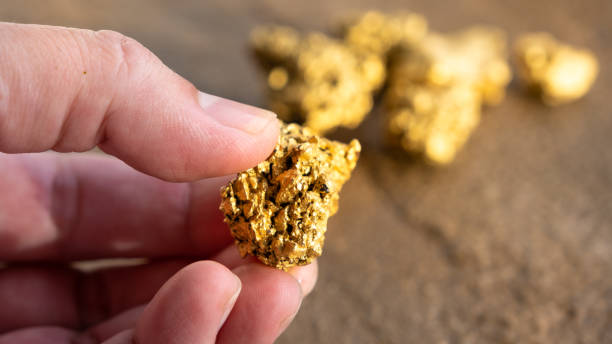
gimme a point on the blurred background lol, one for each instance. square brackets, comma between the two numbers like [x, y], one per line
[510, 243]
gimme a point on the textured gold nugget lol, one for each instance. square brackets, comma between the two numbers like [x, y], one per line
[316, 80]
[558, 72]
[278, 210]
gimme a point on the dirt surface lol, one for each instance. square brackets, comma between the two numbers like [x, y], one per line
[512, 243]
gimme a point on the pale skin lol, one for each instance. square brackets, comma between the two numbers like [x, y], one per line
[70, 90]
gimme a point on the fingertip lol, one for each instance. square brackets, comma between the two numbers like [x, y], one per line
[271, 283]
[232, 114]
[190, 307]
[209, 138]
[269, 300]
[306, 276]
[230, 257]
[268, 274]
[202, 272]
[244, 136]
[234, 150]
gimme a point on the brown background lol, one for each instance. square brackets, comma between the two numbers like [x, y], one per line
[512, 243]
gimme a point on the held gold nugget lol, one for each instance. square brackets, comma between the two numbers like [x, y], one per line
[316, 80]
[559, 73]
[278, 210]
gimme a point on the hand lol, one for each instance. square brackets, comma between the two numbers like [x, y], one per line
[71, 90]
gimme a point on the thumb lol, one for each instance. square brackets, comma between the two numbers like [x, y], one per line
[70, 90]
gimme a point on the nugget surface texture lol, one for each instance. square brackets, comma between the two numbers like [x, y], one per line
[278, 210]
[558, 72]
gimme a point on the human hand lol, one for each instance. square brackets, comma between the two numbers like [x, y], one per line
[71, 90]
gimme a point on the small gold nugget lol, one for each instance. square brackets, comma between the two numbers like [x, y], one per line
[434, 122]
[278, 210]
[378, 33]
[437, 87]
[476, 56]
[316, 80]
[558, 72]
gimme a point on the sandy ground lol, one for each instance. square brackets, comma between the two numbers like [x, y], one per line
[512, 243]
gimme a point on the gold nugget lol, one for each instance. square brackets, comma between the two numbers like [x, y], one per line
[278, 210]
[558, 72]
[378, 33]
[434, 122]
[476, 56]
[316, 80]
[437, 87]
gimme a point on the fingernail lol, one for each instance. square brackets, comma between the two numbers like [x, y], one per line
[236, 115]
[231, 302]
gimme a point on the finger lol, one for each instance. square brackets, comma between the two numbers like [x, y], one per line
[56, 207]
[269, 300]
[70, 90]
[190, 307]
[125, 337]
[39, 335]
[110, 328]
[305, 275]
[34, 296]
[37, 297]
[107, 293]
[230, 257]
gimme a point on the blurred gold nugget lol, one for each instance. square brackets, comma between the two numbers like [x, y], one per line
[434, 122]
[476, 56]
[558, 72]
[278, 210]
[316, 80]
[437, 87]
[377, 33]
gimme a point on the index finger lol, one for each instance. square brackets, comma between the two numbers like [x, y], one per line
[71, 90]
[57, 207]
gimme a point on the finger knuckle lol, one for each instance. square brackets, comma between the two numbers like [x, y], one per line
[128, 55]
